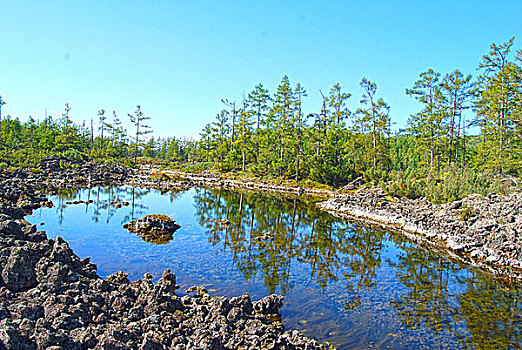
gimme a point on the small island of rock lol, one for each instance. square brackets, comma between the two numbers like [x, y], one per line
[154, 228]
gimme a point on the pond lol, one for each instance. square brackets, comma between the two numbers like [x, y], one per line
[357, 287]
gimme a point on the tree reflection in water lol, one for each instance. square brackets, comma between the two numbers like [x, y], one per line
[461, 308]
[442, 296]
[357, 286]
[268, 232]
[104, 200]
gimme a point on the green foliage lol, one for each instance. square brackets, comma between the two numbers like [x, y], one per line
[442, 187]
[499, 110]
[73, 154]
[197, 167]
[269, 135]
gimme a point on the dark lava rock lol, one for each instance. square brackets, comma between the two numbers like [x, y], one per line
[153, 224]
[19, 271]
[157, 229]
[52, 299]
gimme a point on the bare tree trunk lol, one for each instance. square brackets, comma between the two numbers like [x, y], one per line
[297, 165]
[136, 140]
[463, 143]
[92, 135]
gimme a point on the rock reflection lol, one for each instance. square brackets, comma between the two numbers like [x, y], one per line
[156, 229]
[106, 201]
[155, 238]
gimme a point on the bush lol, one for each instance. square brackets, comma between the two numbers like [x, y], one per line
[73, 154]
[197, 167]
[445, 186]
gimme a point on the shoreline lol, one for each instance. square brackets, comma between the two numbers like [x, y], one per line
[483, 232]
[470, 230]
[50, 298]
[182, 180]
[43, 277]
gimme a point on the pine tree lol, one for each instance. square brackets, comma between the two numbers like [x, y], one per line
[374, 117]
[139, 120]
[102, 127]
[68, 132]
[299, 122]
[458, 90]
[258, 106]
[220, 130]
[281, 114]
[498, 109]
[330, 164]
[233, 114]
[244, 134]
[427, 124]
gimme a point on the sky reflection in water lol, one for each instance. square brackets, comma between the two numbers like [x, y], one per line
[355, 286]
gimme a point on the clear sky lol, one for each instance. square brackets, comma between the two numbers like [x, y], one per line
[178, 59]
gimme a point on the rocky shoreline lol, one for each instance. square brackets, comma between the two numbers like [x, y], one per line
[481, 231]
[485, 232]
[52, 299]
[165, 180]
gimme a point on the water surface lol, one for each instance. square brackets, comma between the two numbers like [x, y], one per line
[354, 286]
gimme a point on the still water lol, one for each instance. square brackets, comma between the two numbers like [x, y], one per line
[354, 286]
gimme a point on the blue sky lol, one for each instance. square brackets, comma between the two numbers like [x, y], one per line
[179, 59]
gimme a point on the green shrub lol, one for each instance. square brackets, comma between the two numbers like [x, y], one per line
[73, 154]
[444, 186]
[197, 167]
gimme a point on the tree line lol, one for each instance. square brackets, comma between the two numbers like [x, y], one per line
[270, 135]
[26, 143]
[466, 130]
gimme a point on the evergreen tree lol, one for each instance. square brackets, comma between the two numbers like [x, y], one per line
[331, 164]
[220, 131]
[102, 127]
[458, 91]
[244, 134]
[138, 119]
[427, 124]
[149, 149]
[281, 115]
[258, 106]
[373, 116]
[233, 114]
[68, 137]
[299, 122]
[498, 109]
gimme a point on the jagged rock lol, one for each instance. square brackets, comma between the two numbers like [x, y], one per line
[19, 271]
[474, 229]
[52, 299]
[161, 224]
[157, 229]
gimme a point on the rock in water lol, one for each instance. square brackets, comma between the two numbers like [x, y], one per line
[157, 229]
[153, 224]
